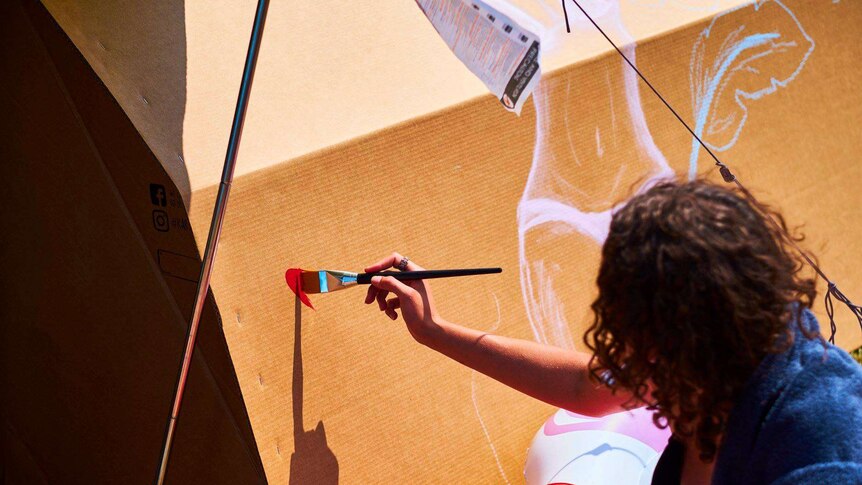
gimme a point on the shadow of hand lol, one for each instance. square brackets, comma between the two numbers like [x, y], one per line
[313, 461]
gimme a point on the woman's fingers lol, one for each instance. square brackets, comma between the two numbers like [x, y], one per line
[392, 261]
[371, 294]
[387, 262]
[391, 305]
[381, 299]
[382, 287]
[411, 266]
[388, 283]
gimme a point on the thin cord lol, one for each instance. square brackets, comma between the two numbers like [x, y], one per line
[729, 177]
[566, 14]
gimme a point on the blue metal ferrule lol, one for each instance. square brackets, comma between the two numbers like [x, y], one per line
[324, 285]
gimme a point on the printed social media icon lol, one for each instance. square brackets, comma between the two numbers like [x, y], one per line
[161, 221]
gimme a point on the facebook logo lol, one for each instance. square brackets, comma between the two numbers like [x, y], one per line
[158, 196]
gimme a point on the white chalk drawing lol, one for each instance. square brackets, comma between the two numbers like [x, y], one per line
[732, 65]
[550, 200]
[727, 70]
[473, 395]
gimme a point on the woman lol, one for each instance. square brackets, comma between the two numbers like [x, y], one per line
[703, 315]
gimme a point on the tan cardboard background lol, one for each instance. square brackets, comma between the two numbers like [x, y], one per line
[445, 189]
[443, 185]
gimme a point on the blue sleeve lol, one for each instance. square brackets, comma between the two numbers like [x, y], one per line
[823, 474]
[814, 431]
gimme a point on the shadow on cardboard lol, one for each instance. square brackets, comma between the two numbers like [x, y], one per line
[312, 461]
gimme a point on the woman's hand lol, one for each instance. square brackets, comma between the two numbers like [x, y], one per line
[412, 297]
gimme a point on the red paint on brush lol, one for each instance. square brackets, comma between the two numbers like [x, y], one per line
[294, 282]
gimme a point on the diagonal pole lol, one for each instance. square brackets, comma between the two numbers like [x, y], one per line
[215, 228]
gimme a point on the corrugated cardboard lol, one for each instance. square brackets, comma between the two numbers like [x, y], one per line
[365, 135]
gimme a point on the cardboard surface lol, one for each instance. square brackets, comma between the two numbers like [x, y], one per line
[447, 189]
[451, 180]
[93, 328]
[327, 72]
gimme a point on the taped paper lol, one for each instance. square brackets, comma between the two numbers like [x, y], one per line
[499, 51]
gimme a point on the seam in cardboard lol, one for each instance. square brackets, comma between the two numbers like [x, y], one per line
[444, 112]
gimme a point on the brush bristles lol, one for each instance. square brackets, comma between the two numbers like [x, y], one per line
[310, 281]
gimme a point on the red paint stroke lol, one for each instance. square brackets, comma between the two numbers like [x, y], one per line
[293, 276]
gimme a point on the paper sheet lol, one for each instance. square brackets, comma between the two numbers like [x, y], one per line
[503, 54]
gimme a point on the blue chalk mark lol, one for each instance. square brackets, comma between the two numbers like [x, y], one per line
[706, 103]
[703, 105]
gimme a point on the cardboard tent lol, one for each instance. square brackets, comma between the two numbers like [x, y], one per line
[365, 135]
[96, 289]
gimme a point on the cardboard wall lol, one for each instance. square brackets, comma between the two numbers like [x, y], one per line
[332, 177]
[98, 281]
[457, 188]
[327, 72]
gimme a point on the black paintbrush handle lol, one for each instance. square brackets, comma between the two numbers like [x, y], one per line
[365, 278]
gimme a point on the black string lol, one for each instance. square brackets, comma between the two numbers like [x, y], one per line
[566, 14]
[729, 177]
[830, 310]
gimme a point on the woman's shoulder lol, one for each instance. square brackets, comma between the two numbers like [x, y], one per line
[815, 418]
[817, 363]
[819, 377]
[810, 353]
[828, 380]
[801, 412]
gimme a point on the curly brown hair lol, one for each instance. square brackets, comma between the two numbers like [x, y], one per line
[696, 287]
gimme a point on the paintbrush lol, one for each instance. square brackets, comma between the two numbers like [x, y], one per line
[304, 282]
[325, 281]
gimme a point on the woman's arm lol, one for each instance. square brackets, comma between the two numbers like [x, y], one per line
[556, 376]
